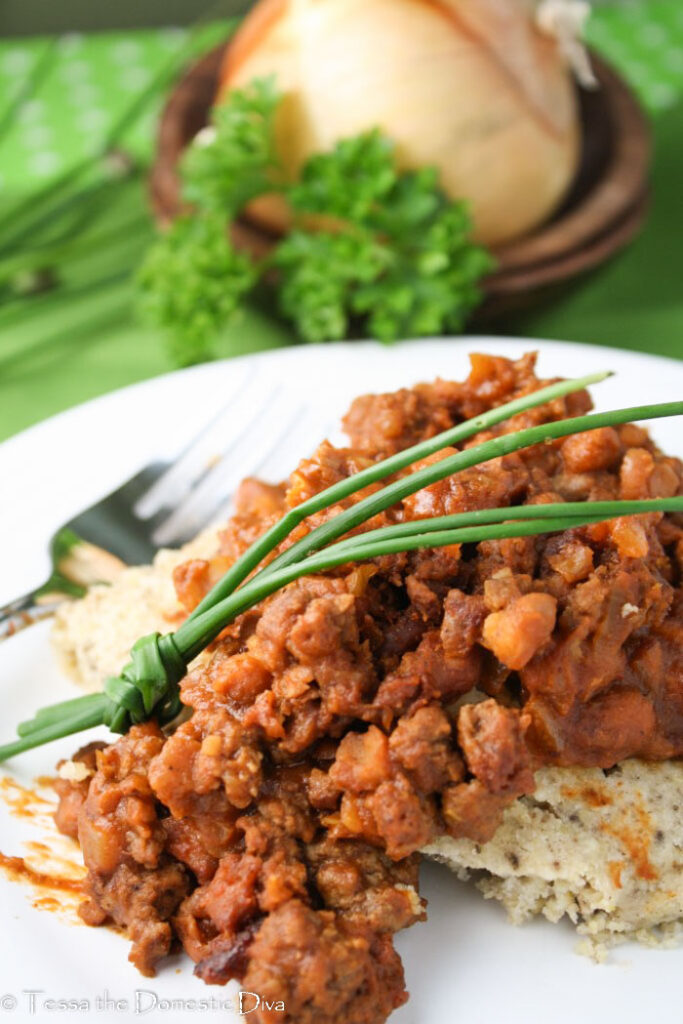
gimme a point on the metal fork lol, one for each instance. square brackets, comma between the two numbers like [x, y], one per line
[167, 503]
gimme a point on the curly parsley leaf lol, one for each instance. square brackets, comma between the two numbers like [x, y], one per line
[403, 266]
[234, 159]
[373, 250]
[319, 273]
[193, 281]
[430, 283]
[349, 182]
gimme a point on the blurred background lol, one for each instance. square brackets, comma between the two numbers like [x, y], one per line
[26, 17]
[76, 76]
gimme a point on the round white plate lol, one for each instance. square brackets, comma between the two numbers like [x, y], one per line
[467, 963]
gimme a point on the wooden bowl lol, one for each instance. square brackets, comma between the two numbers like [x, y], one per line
[603, 211]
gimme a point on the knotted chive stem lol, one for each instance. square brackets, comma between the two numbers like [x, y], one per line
[147, 687]
[270, 540]
[149, 684]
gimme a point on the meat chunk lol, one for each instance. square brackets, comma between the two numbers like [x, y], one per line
[240, 678]
[192, 581]
[492, 740]
[362, 762]
[308, 636]
[118, 821]
[463, 617]
[131, 879]
[519, 631]
[366, 885]
[323, 969]
[471, 811]
[596, 449]
[636, 469]
[142, 901]
[72, 785]
[385, 424]
[599, 654]
[572, 560]
[402, 818]
[422, 743]
[428, 672]
[488, 486]
[630, 537]
[209, 753]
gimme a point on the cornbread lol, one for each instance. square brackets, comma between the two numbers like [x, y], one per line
[92, 637]
[603, 848]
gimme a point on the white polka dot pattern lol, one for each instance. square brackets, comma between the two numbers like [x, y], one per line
[644, 39]
[89, 82]
[92, 80]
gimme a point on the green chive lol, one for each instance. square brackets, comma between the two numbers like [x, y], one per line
[195, 634]
[504, 445]
[262, 547]
[56, 730]
[566, 510]
[144, 685]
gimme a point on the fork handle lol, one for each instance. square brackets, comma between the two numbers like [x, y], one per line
[24, 611]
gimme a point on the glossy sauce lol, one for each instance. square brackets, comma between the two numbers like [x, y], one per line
[18, 870]
[46, 870]
[23, 802]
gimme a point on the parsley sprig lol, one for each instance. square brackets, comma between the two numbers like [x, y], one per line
[372, 249]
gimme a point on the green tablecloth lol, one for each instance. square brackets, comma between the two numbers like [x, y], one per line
[635, 302]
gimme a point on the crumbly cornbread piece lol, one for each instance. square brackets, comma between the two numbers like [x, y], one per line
[92, 637]
[603, 848]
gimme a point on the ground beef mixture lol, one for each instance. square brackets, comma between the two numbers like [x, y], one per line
[354, 716]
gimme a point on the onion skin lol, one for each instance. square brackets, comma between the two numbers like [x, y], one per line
[472, 87]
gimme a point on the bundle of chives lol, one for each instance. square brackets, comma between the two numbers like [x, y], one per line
[262, 547]
[194, 635]
[148, 686]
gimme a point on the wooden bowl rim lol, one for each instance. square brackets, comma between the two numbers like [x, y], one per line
[600, 224]
[575, 262]
[613, 195]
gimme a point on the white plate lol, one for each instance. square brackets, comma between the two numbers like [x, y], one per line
[466, 963]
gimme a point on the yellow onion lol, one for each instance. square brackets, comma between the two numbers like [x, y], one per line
[473, 87]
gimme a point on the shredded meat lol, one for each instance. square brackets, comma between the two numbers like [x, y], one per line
[328, 967]
[353, 716]
[131, 878]
[73, 792]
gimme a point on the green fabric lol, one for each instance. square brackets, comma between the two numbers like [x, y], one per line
[83, 84]
[644, 39]
[636, 300]
[50, 360]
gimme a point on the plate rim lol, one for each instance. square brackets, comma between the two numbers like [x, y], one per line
[558, 938]
[288, 351]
